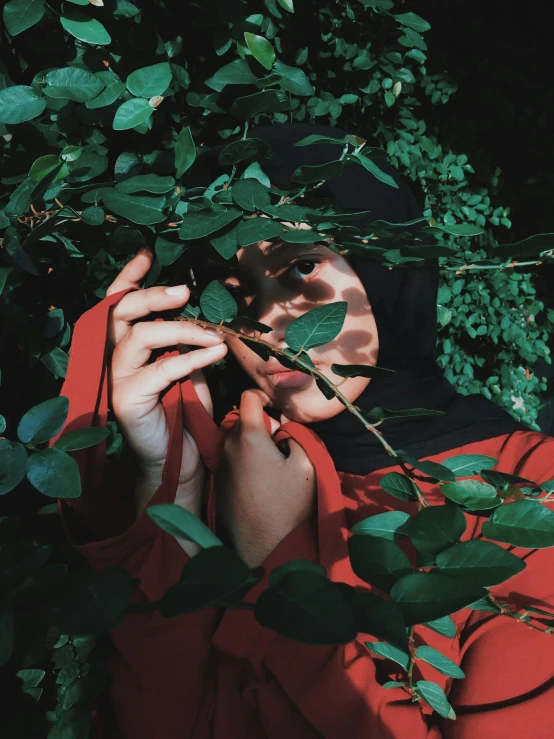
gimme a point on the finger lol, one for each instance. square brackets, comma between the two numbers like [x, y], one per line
[199, 383]
[140, 303]
[134, 271]
[146, 385]
[251, 412]
[135, 349]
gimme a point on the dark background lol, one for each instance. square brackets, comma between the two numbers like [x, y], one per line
[501, 57]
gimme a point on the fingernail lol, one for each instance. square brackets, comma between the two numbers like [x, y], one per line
[176, 290]
[214, 349]
[214, 332]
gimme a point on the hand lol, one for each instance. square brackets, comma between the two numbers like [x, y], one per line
[135, 382]
[262, 494]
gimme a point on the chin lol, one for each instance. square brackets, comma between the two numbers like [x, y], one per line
[307, 407]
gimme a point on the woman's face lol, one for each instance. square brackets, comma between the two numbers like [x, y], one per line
[275, 283]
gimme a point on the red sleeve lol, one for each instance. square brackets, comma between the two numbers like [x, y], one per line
[307, 691]
[509, 666]
[102, 523]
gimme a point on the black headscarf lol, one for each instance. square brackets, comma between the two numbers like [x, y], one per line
[404, 303]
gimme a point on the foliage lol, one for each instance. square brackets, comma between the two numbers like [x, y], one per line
[101, 139]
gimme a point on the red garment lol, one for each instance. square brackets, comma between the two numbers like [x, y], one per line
[220, 674]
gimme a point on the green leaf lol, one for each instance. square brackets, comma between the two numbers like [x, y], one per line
[370, 165]
[307, 607]
[294, 565]
[378, 561]
[523, 523]
[153, 183]
[432, 469]
[112, 90]
[149, 81]
[19, 104]
[399, 486]
[300, 236]
[252, 230]
[250, 324]
[56, 361]
[72, 83]
[235, 73]
[435, 697]
[474, 495]
[444, 626]
[460, 229]
[502, 480]
[239, 151]
[261, 49]
[185, 152]
[43, 421]
[205, 222]
[317, 139]
[360, 370]
[411, 20]
[316, 327]
[482, 562]
[85, 28]
[19, 15]
[74, 723]
[439, 661]
[287, 5]
[466, 465]
[168, 251]
[46, 164]
[435, 528]
[211, 576]
[392, 684]
[376, 616]
[97, 605]
[226, 244]
[54, 473]
[308, 173]
[388, 651]
[426, 596]
[254, 171]
[71, 153]
[140, 209]
[250, 195]
[182, 524]
[268, 101]
[13, 460]
[217, 303]
[385, 525]
[93, 216]
[132, 113]
[293, 79]
[82, 439]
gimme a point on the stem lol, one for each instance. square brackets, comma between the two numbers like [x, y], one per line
[309, 370]
[411, 663]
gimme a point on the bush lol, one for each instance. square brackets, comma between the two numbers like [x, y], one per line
[103, 109]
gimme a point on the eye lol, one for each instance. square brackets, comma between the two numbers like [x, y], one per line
[301, 269]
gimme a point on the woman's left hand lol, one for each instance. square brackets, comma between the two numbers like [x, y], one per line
[262, 495]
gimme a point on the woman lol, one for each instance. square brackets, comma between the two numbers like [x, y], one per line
[220, 674]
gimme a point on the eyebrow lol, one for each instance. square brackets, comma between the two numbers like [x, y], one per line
[276, 246]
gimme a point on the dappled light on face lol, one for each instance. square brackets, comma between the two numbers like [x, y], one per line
[276, 292]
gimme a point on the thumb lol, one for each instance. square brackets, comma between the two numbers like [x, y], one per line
[251, 411]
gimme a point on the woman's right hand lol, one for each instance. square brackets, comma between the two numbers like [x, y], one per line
[135, 382]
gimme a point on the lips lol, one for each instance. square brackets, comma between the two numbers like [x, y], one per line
[284, 377]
